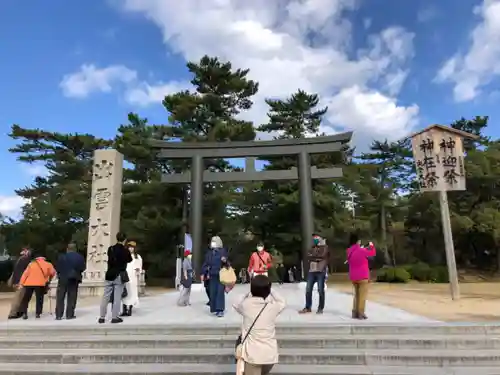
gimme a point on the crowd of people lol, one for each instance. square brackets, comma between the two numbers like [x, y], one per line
[33, 274]
[217, 261]
[256, 349]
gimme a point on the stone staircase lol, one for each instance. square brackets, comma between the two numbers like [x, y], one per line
[308, 349]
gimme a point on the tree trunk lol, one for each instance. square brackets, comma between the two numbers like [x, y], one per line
[383, 228]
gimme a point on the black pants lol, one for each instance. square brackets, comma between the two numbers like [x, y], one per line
[39, 295]
[67, 291]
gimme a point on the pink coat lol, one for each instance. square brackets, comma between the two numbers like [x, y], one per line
[357, 259]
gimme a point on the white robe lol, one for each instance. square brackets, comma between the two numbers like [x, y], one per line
[134, 270]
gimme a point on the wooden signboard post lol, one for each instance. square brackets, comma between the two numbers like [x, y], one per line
[439, 158]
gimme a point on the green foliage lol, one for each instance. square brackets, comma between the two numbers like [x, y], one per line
[393, 275]
[376, 197]
[424, 273]
[273, 274]
[421, 272]
[440, 274]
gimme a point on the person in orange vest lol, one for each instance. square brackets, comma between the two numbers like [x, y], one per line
[260, 261]
[36, 279]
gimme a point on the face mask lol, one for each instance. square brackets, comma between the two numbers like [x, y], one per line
[316, 241]
[189, 256]
[260, 248]
[131, 249]
[213, 245]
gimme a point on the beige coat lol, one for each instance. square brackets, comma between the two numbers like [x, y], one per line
[260, 347]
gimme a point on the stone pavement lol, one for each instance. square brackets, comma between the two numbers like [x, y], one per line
[162, 309]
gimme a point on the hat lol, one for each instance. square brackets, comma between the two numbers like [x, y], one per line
[187, 252]
[132, 243]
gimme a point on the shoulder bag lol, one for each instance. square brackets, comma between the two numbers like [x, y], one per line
[227, 276]
[47, 283]
[239, 341]
[262, 260]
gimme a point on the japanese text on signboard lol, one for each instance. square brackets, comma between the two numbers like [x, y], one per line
[439, 161]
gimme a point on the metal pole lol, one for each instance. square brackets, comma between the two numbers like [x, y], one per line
[306, 207]
[196, 211]
[448, 245]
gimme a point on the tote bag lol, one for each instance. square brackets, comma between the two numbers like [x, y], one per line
[227, 276]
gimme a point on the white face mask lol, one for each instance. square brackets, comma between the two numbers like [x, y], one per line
[260, 248]
[213, 245]
[131, 249]
[189, 256]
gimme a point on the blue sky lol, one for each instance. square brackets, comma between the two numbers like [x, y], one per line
[384, 67]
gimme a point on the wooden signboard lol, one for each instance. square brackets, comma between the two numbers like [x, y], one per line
[439, 158]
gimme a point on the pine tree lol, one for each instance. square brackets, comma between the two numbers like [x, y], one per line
[58, 205]
[210, 112]
[296, 117]
[151, 210]
[394, 164]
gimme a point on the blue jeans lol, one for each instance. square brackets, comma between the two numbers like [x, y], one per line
[313, 278]
[217, 295]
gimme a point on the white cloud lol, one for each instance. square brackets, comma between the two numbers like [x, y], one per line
[427, 14]
[144, 94]
[365, 110]
[287, 45]
[90, 79]
[11, 205]
[471, 71]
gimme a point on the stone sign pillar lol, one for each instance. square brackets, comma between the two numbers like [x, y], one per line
[104, 220]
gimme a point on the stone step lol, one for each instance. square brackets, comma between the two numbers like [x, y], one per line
[372, 357]
[208, 369]
[472, 342]
[33, 329]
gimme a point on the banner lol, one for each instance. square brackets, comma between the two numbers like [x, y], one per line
[188, 242]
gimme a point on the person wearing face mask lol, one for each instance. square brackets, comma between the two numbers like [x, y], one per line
[260, 262]
[134, 270]
[215, 258]
[187, 279]
[318, 262]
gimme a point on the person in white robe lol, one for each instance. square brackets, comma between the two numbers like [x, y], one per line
[134, 270]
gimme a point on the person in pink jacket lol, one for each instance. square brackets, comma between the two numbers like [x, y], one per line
[359, 274]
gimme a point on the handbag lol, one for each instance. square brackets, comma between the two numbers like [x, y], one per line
[187, 282]
[262, 260]
[227, 276]
[124, 277]
[125, 292]
[238, 350]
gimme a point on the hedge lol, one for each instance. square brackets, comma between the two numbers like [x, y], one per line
[420, 272]
[393, 275]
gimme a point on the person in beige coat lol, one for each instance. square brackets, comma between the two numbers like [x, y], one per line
[260, 349]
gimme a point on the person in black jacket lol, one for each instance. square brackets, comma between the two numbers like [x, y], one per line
[116, 277]
[69, 267]
[19, 268]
